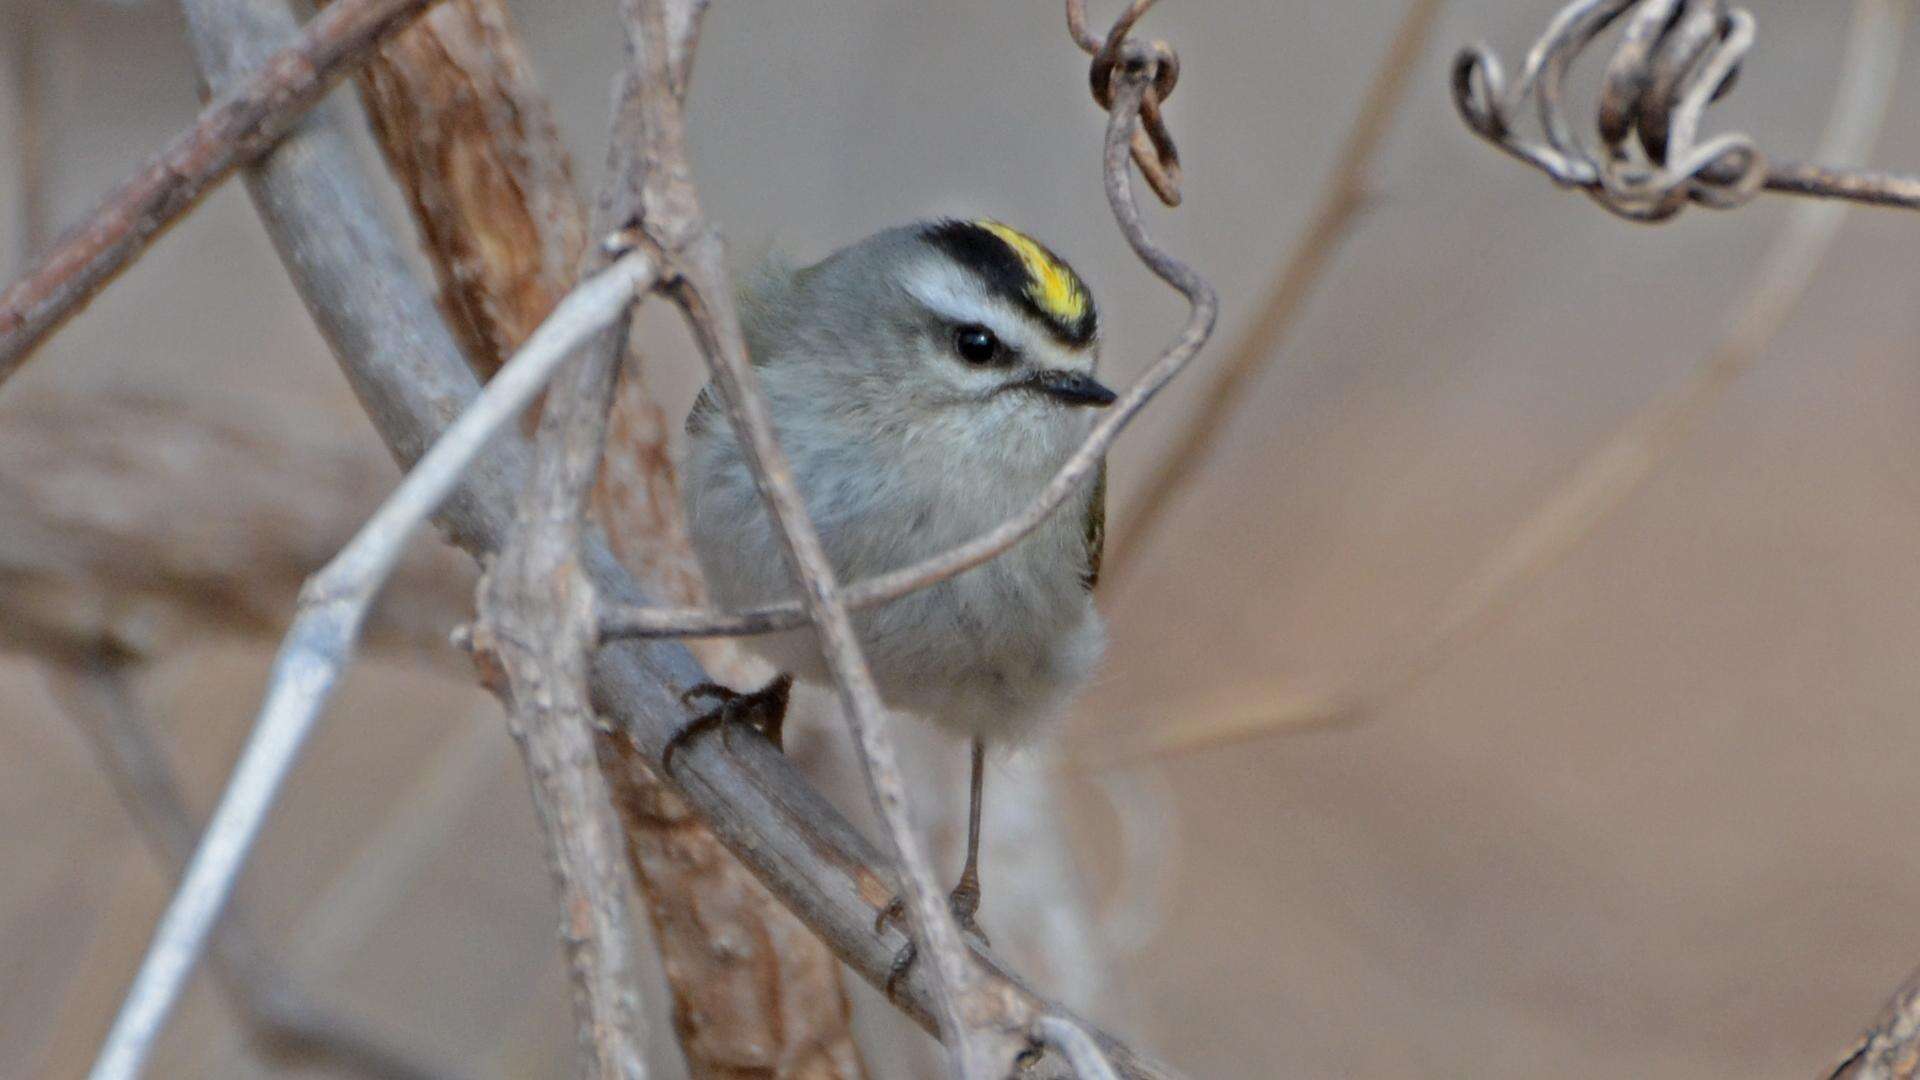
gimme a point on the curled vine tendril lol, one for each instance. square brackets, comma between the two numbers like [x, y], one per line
[1153, 149]
[1674, 58]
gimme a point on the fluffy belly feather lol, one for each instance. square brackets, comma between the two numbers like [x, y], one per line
[992, 652]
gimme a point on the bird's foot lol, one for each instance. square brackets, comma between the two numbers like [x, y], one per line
[764, 710]
[964, 902]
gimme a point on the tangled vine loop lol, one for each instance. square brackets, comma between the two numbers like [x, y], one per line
[1153, 148]
[1675, 57]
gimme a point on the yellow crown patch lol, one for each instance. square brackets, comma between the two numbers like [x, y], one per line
[1054, 288]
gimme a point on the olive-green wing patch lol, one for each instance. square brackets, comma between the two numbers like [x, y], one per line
[1096, 532]
[705, 408]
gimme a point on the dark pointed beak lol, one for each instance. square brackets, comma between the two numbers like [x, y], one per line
[1070, 387]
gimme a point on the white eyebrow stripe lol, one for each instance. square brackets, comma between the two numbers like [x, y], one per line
[953, 295]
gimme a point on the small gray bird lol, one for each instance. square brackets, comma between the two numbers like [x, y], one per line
[925, 383]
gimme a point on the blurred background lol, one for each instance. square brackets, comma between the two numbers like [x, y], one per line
[1647, 818]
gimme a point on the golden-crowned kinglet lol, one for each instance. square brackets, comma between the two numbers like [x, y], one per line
[925, 383]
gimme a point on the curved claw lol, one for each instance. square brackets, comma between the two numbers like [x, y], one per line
[764, 710]
[964, 903]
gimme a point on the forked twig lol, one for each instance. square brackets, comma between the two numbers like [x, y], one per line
[238, 125]
[1674, 59]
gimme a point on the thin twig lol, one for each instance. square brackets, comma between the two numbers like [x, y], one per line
[283, 1023]
[238, 125]
[317, 647]
[1230, 389]
[1605, 478]
[976, 1022]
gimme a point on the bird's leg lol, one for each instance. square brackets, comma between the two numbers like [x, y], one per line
[764, 710]
[964, 901]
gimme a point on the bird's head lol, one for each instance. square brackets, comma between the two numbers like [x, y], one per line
[966, 327]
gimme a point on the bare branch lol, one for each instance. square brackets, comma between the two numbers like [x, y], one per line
[1672, 62]
[238, 125]
[754, 990]
[1340, 203]
[536, 620]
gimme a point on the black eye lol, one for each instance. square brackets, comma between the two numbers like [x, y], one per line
[976, 344]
